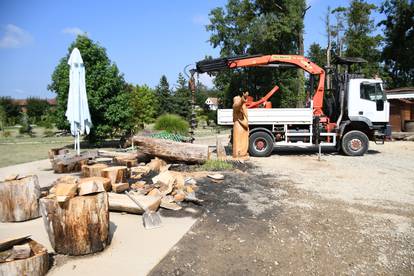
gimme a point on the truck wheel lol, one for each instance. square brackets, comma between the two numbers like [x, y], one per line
[355, 143]
[260, 144]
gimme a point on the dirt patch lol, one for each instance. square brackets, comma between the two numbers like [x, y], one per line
[280, 220]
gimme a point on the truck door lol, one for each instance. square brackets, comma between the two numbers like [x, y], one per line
[373, 102]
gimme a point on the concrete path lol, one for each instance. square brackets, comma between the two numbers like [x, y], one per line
[133, 250]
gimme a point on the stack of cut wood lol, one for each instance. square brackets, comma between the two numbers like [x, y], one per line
[23, 256]
[169, 186]
[76, 215]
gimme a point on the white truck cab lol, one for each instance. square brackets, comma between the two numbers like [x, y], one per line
[367, 100]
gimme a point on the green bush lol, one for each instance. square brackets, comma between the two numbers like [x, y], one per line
[172, 123]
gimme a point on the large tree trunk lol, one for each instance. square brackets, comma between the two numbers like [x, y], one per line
[172, 151]
[67, 163]
[35, 265]
[19, 199]
[79, 226]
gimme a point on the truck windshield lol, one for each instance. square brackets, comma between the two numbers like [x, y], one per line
[372, 91]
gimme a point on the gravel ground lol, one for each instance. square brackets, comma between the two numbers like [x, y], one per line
[293, 214]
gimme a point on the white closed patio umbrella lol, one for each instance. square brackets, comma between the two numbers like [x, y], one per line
[77, 111]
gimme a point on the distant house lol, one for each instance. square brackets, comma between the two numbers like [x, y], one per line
[212, 103]
[401, 108]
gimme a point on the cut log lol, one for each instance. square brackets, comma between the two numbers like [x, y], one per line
[78, 227]
[93, 170]
[57, 151]
[9, 243]
[221, 151]
[106, 182]
[115, 174]
[35, 265]
[125, 161]
[172, 151]
[121, 203]
[90, 187]
[19, 199]
[106, 153]
[71, 162]
[21, 251]
[65, 191]
[120, 187]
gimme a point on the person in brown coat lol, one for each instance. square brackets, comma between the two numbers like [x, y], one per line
[240, 127]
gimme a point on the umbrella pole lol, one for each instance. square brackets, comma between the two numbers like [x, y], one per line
[78, 143]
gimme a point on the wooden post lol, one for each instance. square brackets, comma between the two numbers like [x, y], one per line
[36, 265]
[19, 199]
[79, 226]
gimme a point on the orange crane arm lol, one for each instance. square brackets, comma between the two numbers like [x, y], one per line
[295, 60]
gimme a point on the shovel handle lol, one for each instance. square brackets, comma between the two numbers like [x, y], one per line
[135, 201]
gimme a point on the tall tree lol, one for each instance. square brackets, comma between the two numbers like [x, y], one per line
[258, 27]
[144, 104]
[398, 51]
[317, 54]
[360, 40]
[182, 98]
[105, 87]
[163, 94]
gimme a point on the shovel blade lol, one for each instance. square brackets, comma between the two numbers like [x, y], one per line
[151, 220]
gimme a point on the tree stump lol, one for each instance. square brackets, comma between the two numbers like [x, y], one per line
[19, 199]
[93, 170]
[79, 226]
[116, 174]
[35, 265]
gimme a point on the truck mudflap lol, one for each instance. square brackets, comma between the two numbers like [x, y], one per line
[380, 135]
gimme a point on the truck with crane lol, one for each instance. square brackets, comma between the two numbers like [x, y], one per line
[358, 113]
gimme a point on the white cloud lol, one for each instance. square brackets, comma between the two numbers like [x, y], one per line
[14, 37]
[73, 31]
[200, 19]
[206, 80]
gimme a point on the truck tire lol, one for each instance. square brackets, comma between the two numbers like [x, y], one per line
[260, 144]
[354, 143]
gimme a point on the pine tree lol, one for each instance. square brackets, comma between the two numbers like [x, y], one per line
[163, 94]
[182, 98]
[398, 52]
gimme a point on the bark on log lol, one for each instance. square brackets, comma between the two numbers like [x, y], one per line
[122, 203]
[19, 199]
[116, 174]
[36, 265]
[79, 226]
[172, 151]
[93, 170]
[67, 163]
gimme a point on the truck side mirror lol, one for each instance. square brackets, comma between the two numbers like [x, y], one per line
[380, 105]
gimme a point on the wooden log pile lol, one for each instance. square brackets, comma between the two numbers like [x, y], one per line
[23, 256]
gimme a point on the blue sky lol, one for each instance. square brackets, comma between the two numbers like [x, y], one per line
[144, 38]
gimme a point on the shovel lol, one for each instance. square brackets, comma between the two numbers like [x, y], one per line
[150, 218]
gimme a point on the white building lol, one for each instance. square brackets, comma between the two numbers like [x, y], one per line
[212, 103]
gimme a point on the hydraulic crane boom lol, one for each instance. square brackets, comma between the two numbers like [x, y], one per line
[271, 61]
